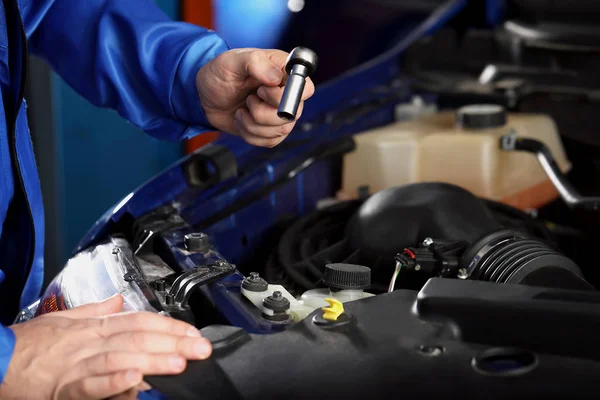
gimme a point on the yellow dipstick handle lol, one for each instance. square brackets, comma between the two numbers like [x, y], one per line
[335, 309]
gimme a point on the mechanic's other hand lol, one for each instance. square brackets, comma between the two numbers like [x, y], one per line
[90, 352]
[240, 91]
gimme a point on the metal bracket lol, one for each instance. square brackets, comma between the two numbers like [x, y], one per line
[187, 282]
[133, 274]
[146, 228]
[508, 142]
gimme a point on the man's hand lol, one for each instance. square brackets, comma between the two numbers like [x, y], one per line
[90, 352]
[240, 91]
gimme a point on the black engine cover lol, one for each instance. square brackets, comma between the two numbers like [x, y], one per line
[405, 215]
[386, 351]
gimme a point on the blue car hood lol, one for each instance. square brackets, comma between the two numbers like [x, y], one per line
[230, 170]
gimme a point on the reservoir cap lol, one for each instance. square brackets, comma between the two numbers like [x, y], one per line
[481, 116]
[347, 276]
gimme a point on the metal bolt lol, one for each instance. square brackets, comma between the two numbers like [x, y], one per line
[427, 242]
[509, 141]
[418, 267]
[169, 299]
[222, 265]
[196, 242]
[160, 285]
[279, 305]
[462, 274]
[255, 283]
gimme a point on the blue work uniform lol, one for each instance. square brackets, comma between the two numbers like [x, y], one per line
[122, 54]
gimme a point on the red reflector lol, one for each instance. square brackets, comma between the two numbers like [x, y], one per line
[51, 303]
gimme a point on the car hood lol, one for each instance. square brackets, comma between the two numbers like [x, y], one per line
[229, 169]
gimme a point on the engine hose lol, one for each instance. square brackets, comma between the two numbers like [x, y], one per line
[567, 192]
[508, 256]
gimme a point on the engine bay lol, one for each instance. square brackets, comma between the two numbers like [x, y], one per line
[425, 278]
[410, 281]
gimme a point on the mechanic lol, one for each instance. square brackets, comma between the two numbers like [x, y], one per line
[173, 80]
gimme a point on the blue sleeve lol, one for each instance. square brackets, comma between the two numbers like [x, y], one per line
[7, 346]
[129, 56]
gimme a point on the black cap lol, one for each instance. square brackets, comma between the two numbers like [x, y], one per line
[347, 276]
[481, 116]
[254, 283]
[277, 302]
[197, 242]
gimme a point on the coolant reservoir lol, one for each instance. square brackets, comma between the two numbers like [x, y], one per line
[315, 298]
[461, 148]
[345, 282]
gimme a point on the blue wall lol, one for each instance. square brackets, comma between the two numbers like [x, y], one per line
[100, 157]
[250, 23]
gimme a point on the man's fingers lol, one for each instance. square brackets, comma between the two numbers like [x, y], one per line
[278, 57]
[260, 135]
[146, 321]
[260, 141]
[147, 364]
[264, 66]
[110, 306]
[152, 342]
[144, 387]
[131, 394]
[101, 387]
[272, 95]
[262, 113]
[246, 123]
[260, 67]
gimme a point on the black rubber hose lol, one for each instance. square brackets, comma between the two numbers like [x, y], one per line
[567, 192]
[290, 252]
[507, 256]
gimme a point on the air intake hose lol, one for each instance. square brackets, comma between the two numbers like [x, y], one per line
[508, 256]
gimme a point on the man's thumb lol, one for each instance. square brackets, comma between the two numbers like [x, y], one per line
[112, 305]
[258, 64]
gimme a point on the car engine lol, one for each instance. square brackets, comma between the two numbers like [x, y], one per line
[412, 281]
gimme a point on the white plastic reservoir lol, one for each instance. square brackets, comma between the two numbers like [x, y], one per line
[460, 148]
